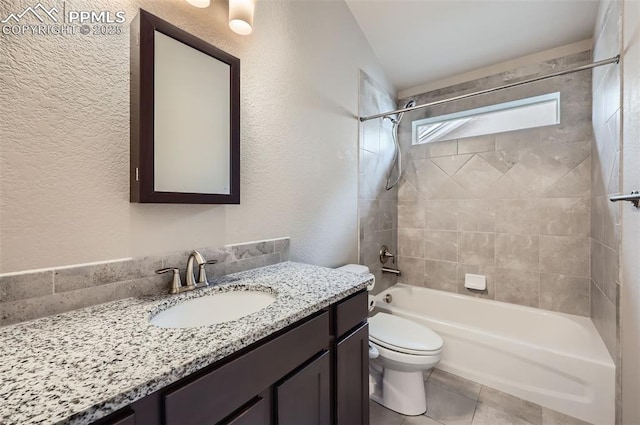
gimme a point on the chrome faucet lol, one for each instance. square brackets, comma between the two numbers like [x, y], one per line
[191, 279]
[202, 274]
[191, 284]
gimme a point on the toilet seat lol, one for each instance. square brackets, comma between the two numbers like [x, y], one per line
[403, 336]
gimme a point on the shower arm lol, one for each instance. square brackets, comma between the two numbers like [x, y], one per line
[615, 59]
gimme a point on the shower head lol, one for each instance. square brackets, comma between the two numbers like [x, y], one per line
[409, 104]
[396, 121]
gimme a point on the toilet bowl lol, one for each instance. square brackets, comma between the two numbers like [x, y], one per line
[404, 351]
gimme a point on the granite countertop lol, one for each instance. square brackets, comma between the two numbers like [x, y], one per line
[79, 366]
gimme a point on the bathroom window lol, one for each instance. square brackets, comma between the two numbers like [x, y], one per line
[519, 114]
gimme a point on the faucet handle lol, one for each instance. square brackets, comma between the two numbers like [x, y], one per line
[176, 284]
[202, 274]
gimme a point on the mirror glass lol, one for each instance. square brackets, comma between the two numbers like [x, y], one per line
[185, 117]
[191, 119]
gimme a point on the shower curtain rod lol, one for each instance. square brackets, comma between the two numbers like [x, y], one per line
[615, 59]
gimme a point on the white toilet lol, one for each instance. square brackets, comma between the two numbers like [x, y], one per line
[407, 349]
[404, 350]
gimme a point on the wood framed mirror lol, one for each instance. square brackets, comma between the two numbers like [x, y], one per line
[185, 117]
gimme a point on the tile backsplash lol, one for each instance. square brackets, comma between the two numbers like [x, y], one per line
[32, 294]
[514, 206]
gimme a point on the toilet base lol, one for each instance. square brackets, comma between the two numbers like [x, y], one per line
[402, 392]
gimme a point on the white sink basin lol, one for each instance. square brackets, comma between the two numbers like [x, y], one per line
[212, 309]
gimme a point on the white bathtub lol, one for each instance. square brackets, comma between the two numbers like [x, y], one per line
[553, 359]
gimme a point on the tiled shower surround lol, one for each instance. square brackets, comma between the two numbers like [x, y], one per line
[513, 206]
[33, 294]
[377, 207]
[605, 181]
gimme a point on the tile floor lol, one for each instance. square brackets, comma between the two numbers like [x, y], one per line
[452, 400]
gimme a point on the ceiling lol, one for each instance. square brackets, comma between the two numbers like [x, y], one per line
[420, 41]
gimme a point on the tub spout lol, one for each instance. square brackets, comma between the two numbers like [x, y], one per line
[392, 271]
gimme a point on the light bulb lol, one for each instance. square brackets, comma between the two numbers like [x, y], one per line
[199, 3]
[241, 16]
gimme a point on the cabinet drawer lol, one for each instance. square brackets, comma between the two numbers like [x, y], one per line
[123, 417]
[220, 392]
[256, 412]
[351, 312]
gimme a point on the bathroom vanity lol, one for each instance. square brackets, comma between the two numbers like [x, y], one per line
[301, 360]
[313, 372]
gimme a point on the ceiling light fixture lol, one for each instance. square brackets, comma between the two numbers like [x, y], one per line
[241, 16]
[199, 3]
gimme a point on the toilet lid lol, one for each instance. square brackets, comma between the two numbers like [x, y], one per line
[400, 334]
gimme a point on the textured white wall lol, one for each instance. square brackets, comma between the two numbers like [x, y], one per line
[64, 140]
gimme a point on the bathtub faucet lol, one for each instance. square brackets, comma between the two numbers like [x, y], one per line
[385, 255]
[392, 271]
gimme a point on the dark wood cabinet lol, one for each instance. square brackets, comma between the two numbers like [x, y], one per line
[305, 397]
[314, 372]
[352, 377]
[256, 412]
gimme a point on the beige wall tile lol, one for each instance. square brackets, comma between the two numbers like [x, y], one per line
[388, 218]
[441, 148]
[517, 287]
[519, 252]
[567, 294]
[451, 164]
[520, 216]
[576, 183]
[441, 215]
[477, 175]
[610, 273]
[536, 172]
[519, 139]
[411, 215]
[518, 200]
[565, 255]
[411, 243]
[426, 176]
[597, 263]
[569, 154]
[441, 275]
[441, 245]
[407, 192]
[565, 217]
[603, 314]
[476, 248]
[477, 215]
[412, 270]
[477, 144]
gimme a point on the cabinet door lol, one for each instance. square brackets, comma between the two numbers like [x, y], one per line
[352, 378]
[305, 397]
